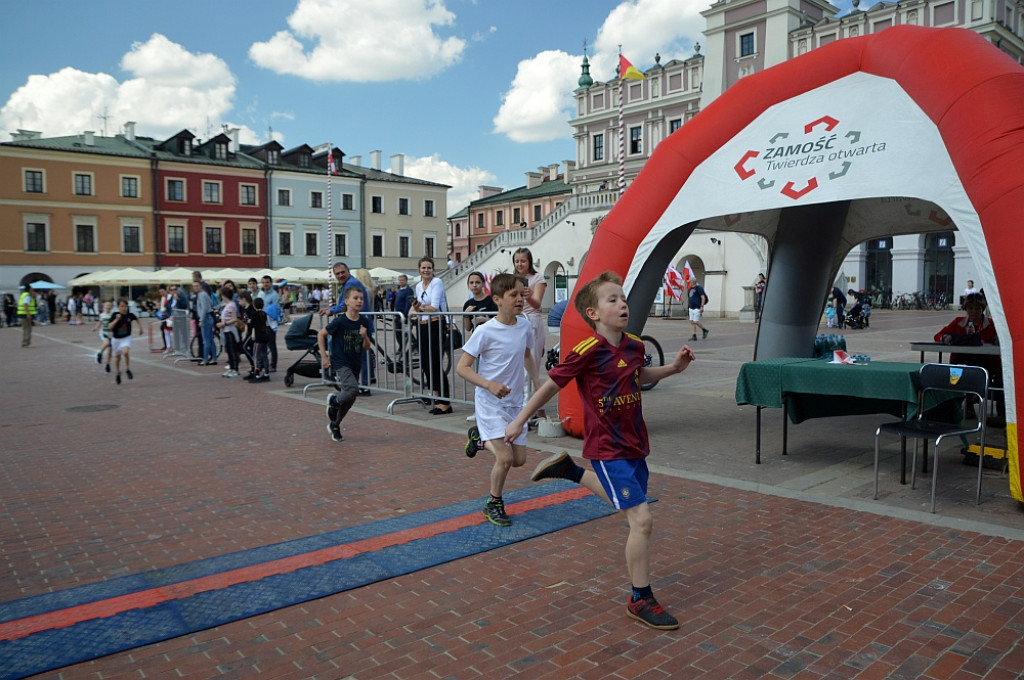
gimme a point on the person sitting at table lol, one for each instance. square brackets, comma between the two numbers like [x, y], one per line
[976, 329]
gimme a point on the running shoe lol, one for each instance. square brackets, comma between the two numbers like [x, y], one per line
[554, 467]
[128, 372]
[705, 336]
[332, 408]
[473, 443]
[118, 379]
[335, 430]
[107, 368]
[650, 613]
[494, 511]
[99, 358]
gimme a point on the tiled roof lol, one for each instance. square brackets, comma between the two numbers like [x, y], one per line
[106, 146]
[546, 188]
[381, 176]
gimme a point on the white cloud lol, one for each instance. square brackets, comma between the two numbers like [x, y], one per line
[360, 41]
[464, 182]
[539, 102]
[171, 89]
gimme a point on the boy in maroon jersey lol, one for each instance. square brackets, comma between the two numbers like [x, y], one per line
[609, 369]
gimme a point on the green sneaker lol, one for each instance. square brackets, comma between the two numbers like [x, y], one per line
[473, 443]
[494, 511]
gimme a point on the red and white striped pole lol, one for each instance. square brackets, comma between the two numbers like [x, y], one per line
[622, 129]
[330, 232]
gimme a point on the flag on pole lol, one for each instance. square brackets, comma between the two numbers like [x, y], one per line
[332, 168]
[688, 274]
[675, 284]
[627, 71]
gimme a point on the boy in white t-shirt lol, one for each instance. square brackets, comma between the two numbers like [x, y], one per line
[503, 346]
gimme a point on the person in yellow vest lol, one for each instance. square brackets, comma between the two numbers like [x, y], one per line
[27, 311]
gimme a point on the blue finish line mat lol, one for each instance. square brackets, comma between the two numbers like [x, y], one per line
[54, 630]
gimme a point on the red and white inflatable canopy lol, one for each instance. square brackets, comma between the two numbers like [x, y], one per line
[904, 131]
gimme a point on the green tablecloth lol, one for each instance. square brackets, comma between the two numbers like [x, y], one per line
[816, 388]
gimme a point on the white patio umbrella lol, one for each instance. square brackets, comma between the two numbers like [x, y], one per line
[385, 275]
[176, 275]
[94, 279]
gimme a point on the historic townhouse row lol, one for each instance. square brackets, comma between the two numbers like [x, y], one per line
[75, 204]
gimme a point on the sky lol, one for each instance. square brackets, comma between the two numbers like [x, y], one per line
[472, 92]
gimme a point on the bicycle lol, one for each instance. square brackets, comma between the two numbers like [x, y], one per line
[653, 356]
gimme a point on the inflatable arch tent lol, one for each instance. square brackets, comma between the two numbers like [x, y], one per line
[905, 131]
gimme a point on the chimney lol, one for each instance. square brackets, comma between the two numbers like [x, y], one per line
[398, 164]
[553, 171]
[233, 134]
[570, 166]
[356, 161]
[89, 138]
[534, 179]
[22, 135]
[129, 130]
[375, 160]
[486, 191]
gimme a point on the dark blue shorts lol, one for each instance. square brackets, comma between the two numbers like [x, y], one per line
[625, 481]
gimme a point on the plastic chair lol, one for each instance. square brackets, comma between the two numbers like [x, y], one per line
[949, 378]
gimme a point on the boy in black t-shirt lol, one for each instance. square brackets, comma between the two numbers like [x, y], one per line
[121, 337]
[350, 336]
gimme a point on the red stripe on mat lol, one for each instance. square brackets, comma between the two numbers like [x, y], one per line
[62, 618]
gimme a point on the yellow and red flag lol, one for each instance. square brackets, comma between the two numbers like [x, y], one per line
[627, 71]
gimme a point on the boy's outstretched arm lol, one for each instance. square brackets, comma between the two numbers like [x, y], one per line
[682, 360]
[539, 398]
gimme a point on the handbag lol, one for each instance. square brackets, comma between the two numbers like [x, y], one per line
[240, 325]
[453, 336]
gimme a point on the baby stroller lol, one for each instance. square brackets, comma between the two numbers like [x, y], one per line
[860, 316]
[301, 337]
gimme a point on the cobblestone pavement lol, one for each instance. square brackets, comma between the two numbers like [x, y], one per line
[783, 570]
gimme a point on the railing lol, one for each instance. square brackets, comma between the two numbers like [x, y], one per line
[524, 237]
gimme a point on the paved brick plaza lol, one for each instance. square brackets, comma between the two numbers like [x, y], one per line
[184, 465]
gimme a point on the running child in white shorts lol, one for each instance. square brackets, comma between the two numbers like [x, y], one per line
[503, 346]
[103, 326]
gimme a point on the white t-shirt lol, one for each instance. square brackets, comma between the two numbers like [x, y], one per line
[501, 350]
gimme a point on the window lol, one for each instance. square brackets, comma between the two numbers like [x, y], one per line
[312, 241]
[248, 241]
[304, 160]
[428, 246]
[598, 147]
[131, 238]
[499, 218]
[175, 190]
[85, 238]
[481, 221]
[341, 245]
[284, 243]
[284, 197]
[517, 215]
[273, 156]
[377, 245]
[220, 152]
[428, 208]
[34, 181]
[175, 239]
[247, 194]
[129, 187]
[35, 237]
[214, 240]
[83, 184]
[674, 125]
[316, 199]
[536, 213]
[403, 246]
[403, 206]
[458, 229]
[636, 144]
[185, 147]
[376, 204]
[211, 192]
[347, 201]
[747, 45]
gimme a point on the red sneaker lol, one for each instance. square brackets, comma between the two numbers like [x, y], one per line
[650, 613]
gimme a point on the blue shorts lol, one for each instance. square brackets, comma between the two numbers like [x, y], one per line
[625, 481]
